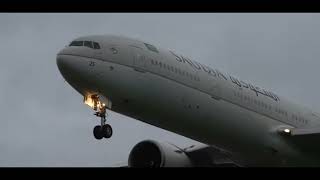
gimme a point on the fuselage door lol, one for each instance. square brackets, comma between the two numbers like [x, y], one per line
[98, 51]
[211, 86]
[139, 59]
[97, 54]
[215, 90]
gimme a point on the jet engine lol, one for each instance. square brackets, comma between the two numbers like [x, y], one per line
[149, 153]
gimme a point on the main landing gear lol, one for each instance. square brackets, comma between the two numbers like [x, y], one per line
[103, 130]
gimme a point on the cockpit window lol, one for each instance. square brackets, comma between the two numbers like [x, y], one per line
[88, 44]
[76, 43]
[151, 47]
[96, 45]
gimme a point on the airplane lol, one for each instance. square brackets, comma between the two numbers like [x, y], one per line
[238, 123]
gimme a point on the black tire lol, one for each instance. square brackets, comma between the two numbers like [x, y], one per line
[107, 131]
[97, 132]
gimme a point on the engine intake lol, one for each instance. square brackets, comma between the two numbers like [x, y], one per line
[153, 154]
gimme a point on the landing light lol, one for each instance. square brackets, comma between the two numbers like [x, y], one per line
[89, 101]
[287, 130]
[94, 102]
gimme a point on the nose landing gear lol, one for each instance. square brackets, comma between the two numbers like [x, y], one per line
[103, 130]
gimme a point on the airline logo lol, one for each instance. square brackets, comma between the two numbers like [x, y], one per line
[217, 73]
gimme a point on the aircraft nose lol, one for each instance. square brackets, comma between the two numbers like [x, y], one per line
[66, 65]
[62, 64]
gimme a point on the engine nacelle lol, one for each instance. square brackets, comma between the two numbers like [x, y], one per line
[153, 154]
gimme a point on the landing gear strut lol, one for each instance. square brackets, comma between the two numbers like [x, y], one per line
[103, 130]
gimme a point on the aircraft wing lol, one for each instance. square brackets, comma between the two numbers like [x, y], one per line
[304, 138]
[205, 155]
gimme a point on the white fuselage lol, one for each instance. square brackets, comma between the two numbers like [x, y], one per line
[172, 92]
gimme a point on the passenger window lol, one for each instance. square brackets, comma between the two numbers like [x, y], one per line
[88, 44]
[76, 43]
[96, 45]
[151, 47]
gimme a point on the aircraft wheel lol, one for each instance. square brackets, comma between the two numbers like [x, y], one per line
[98, 132]
[107, 131]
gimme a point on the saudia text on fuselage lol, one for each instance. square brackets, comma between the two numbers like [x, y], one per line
[217, 73]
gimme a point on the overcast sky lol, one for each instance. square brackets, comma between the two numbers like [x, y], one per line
[45, 123]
